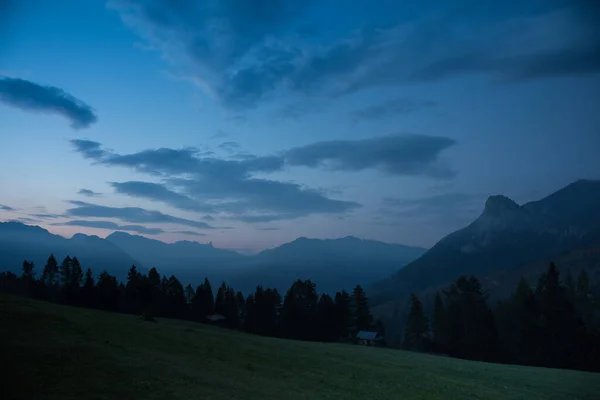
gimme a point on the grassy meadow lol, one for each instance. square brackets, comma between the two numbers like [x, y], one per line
[58, 352]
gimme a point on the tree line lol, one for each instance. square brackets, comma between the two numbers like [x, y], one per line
[553, 324]
[300, 314]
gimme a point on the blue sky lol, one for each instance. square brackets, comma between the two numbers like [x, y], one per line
[253, 123]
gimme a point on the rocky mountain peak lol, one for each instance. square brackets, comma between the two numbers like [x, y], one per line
[499, 205]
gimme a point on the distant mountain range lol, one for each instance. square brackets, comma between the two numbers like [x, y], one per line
[334, 264]
[505, 242]
[20, 242]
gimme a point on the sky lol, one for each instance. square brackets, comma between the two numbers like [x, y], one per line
[250, 124]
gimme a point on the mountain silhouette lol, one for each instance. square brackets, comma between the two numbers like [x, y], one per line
[334, 264]
[20, 242]
[191, 262]
[505, 242]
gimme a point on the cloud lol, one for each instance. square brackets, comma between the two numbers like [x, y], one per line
[389, 107]
[130, 214]
[189, 233]
[188, 160]
[220, 134]
[211, 41]
[194, 182]
[26, 220]
[46, 216]
[247, 54]
[111, 226]
[6, 208]
[88, 148]
[229, 147]
[267, 229]
[33, 97]
[394, 154]
[159, 192]
[88, 193]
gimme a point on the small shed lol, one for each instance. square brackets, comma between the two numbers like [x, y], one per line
[368, 338]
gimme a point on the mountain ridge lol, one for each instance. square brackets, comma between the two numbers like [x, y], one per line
[20, 242]
[505, 240]
[319, 259]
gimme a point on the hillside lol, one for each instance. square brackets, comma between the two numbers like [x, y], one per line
[92, 354]
[505, 242]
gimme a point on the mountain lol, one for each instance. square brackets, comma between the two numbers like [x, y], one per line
[191, 262]
[333, 264]
[20, 242]
[505, 242]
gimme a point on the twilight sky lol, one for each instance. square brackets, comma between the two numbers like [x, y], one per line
[250, 123]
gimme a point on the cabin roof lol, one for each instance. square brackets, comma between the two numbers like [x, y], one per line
[366, 335]
[215, 317]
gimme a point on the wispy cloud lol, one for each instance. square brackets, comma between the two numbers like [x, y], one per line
[394, 154]
[192, 181]
[229, 147]
[109, 225]
[6, 208]
[130, 214]
[26, 220]
[159, 192]
[88, 148]
[198, 183]
[192, 233]
[89, 193]
[46, 215]
[245, 55]
[30, 96]
[220, 134]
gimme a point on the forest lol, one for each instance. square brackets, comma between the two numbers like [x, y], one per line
[300, 314]
[554, 323]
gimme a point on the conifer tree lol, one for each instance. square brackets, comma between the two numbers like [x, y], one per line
[416, 332]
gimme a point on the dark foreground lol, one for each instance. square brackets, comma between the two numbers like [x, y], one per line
[56, 352]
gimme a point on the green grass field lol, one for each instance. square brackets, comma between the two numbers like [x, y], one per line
[55, 352]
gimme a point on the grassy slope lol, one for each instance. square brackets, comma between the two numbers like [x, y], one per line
[56, 352]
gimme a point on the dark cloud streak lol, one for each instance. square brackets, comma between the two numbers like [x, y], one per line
[109, 225]
[130, 214]
[158, 192]
[192, 233]
[88, 193]
[30, 96]
[394, 154]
